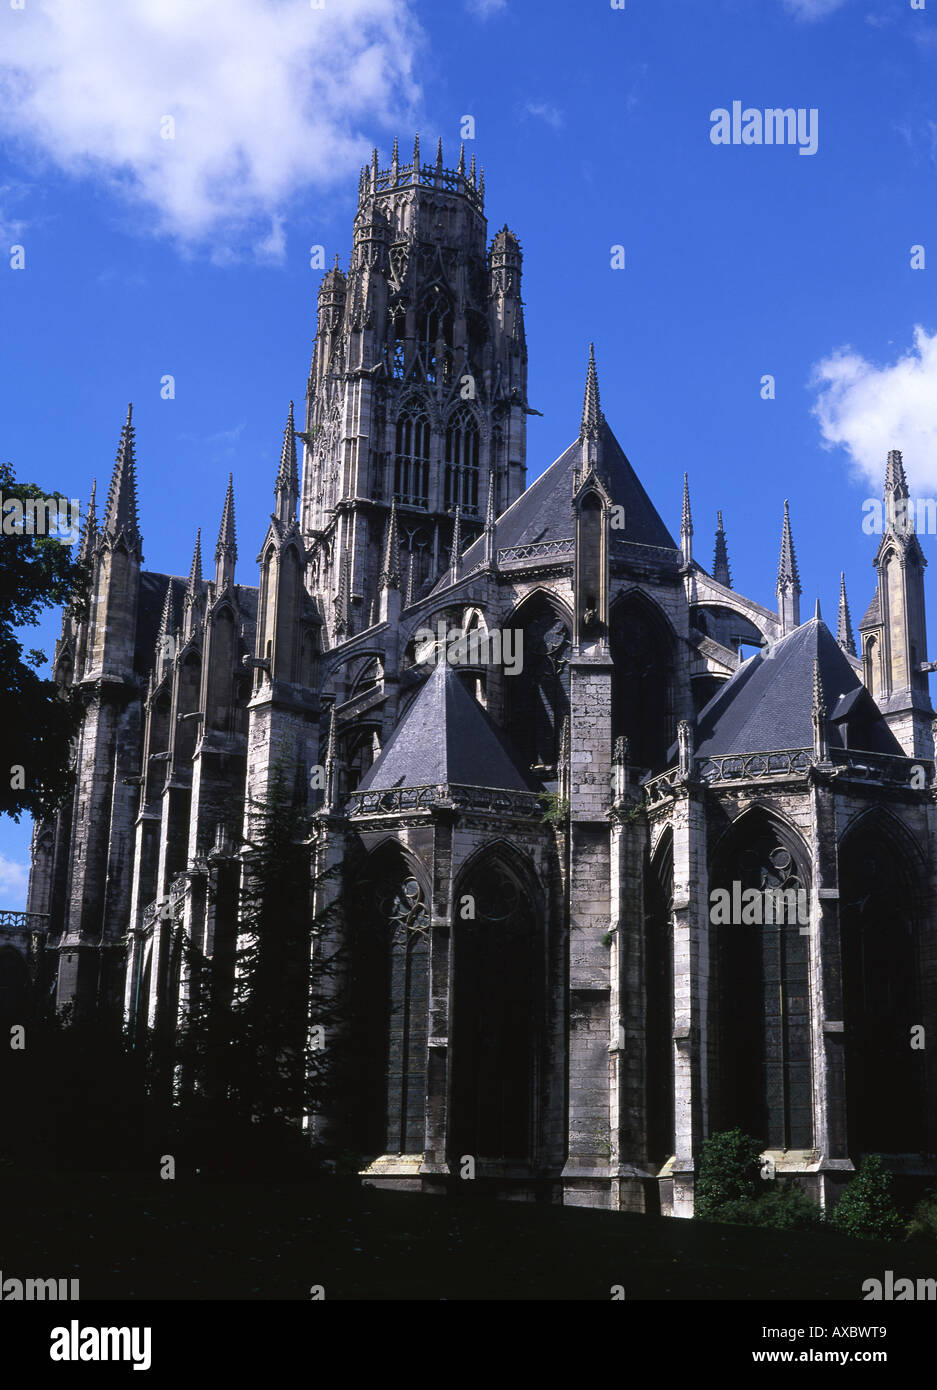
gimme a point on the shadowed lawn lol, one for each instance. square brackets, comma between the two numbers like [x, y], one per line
[132, 1237]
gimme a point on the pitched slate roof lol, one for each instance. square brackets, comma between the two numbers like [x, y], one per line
[873, 614]
[544, 511]
[446, 736]
[768, 703]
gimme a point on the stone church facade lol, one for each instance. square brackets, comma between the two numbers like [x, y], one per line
[537, 974]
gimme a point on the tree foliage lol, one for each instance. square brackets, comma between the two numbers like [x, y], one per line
[37, 719]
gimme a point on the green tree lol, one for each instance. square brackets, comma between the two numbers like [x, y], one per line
[37, 719]
[866, 1208]
[730, 1169]
[253, 1059]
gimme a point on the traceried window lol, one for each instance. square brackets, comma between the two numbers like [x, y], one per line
[411, 459]
[461, 482]
[434, 333]
[397, 343]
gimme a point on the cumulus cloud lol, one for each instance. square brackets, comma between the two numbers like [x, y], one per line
[868, 409]
[14, 879]
[544, 111]
[264, 98]
[812, 9]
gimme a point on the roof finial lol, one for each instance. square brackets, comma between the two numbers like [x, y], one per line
[686, 524]
[439, 155]
[287, 483]
[788, 586]
[472, 170]
[461, 164]
[416, 157]
[490, 521]
[89, 530]
[390, 574]
[844, 622]
[721, 572]
[120, 514]
[591, 409]
[409, 598]
[195, 572]
[455, 559]
[226, 551]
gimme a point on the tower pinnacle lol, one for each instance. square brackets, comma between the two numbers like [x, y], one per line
[287, 484]
[721, 572]
[686, 523]
[226, 551]
[120, 515]
[788, 587]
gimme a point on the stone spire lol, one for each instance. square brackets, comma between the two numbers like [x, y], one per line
[686, 524]
[721, 571]
[898, 515]
[592, 418]
[192, 601]
[165, 641]
[409, 599]
[287, 484]
[788, 587]
[390, 573]
[490, 521]
[455, 559]
[820, 740]
[89, 530]
[331, 766]
[844, 622]
[193, 587]
[342, 624]
[226, 551]
[591, 410]
[120, 514]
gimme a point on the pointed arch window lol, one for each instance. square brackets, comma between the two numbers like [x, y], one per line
[461, 481]
[434, 333]
[397, 336]
[411, 459]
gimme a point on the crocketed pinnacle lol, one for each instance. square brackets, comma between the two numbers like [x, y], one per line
[227, 539]
[844, 634]
[120, 515]
[788, 576]
[592, 417]
[686, 517]
[896, 483]
[721, 572]
[194, 584]
[390, 573]
[287, 484]
[89, 530]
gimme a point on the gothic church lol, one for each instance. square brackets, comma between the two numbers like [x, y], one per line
[534, 956]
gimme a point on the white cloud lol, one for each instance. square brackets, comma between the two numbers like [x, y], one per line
[868, 409]
[267, 96]
[545, 112]
[484, 9]
[14, 879]
[812, 9]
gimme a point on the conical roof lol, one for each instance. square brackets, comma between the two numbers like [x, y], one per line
[768, 704]
[445, 737]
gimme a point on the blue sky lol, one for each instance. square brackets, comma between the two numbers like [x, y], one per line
[190, 257]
